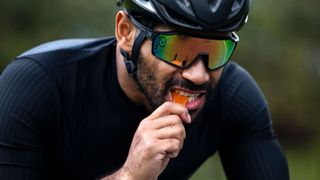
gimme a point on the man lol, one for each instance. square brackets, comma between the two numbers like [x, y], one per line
[107, 108]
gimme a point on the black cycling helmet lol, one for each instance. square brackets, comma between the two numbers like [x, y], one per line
[197, 15]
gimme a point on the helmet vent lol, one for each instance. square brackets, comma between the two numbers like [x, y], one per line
[185, 3]
[145, 4]
[236, 5]
[186, 6]
[214, 5]
[181, 20]
[236, 8]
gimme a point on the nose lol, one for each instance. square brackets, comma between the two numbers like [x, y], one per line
[197, 73]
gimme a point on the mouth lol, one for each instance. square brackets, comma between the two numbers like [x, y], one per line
[192, 100]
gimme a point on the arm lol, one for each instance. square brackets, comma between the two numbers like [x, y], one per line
[250, 150]
[256, 155]
[26, 106]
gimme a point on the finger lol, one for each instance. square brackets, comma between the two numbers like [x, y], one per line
[179, 138]
[177, 131]
[172, 154]
[164, 121]
[168, 147]
[171, 108]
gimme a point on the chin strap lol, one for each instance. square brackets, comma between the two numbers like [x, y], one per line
[131, 62]
[131, 68]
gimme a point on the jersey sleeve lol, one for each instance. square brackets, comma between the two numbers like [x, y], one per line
[27, 107]
[250, 150]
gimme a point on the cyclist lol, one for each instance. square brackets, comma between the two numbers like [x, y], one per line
[155, 101]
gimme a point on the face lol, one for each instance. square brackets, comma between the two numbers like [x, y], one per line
[158, 80]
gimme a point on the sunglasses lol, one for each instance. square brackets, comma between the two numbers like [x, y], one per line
[182, 50]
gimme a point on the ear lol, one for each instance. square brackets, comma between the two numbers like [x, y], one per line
[124, 31]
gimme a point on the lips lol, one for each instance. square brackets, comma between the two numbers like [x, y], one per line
[191, 99]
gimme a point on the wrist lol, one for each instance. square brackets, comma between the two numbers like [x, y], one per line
[125, 174]
[122, 174]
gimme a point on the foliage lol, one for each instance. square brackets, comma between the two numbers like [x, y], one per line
[280, 48]
[25, 24]
[303, 164]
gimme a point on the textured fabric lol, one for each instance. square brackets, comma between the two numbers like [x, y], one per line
[63, 115]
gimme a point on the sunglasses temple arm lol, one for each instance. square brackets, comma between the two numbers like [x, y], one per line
[148, 32]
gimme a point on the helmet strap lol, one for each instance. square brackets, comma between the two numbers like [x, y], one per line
[131, 63]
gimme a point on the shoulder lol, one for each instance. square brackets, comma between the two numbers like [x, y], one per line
[61, 52]
[242, 100]
[70, 45]
[29, 97]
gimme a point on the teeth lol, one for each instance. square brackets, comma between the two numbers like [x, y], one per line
[191, 97]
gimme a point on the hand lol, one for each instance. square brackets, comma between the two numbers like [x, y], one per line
[158, 138]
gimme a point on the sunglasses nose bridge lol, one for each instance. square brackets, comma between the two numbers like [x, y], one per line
[204, 57]
[196, 72]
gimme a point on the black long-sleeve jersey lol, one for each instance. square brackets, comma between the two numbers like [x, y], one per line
[63, 115]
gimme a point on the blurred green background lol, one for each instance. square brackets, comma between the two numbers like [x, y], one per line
[279, 47]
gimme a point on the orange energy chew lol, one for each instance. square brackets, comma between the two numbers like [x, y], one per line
[180, 99]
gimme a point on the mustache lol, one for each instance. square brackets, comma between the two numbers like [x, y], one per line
[187, 84]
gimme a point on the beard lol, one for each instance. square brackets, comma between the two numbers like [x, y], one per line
[156, 89]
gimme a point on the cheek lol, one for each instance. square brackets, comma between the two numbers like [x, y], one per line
[163, 70]
[145, 49]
